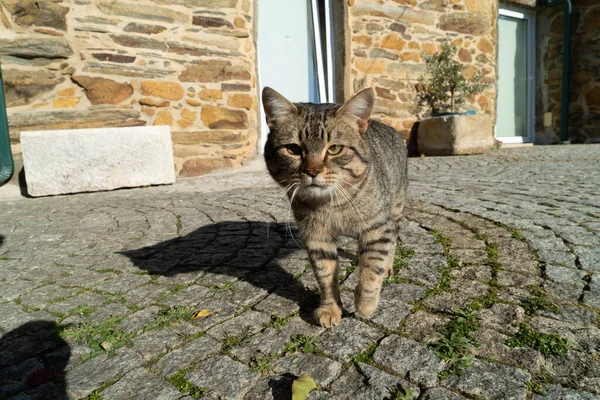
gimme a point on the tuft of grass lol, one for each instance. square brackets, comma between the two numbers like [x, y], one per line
[302, 343]
[184, 386]
[480, 236]
[169, 316]
[516, 234]
[101, 338]
[261, 363]
[535, 384]
[455, 347]
[350, 269]
[535, 387]
[109, 270]
[231, 341]
[445, 271]
[486, 301]
[366, 356]
[394, 279]
[493, 255]
[277, 322]
[539, 301]
[399, 392]
[115, 298]
[401, 256]
[178, 224]
[404, 252]
[223, 287]
[445, 241]
[179, 287]
[84, 311]
[545, 344]
[94, 396]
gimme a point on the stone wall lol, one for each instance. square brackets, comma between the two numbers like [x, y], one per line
[189, 64]
[584, 109]
[390, 37]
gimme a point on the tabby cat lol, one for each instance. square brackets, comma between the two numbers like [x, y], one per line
[344, 175]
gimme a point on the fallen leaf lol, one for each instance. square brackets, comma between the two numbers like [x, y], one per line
[201, 314]
[302, 387]
[106, 346]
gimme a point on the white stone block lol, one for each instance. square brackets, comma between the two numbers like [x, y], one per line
[89, 160]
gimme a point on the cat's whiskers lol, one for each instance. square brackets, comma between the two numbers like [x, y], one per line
[351, 202]
[359, 192]
[287, 223]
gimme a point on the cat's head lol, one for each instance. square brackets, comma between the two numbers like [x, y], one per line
[317, 148]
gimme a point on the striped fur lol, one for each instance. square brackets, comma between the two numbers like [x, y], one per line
[358, 192]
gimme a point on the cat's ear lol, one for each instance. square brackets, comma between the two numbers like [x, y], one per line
[359, 108]
[276, 106]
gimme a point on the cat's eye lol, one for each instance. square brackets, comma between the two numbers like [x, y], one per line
[335, 149]
[293, 149]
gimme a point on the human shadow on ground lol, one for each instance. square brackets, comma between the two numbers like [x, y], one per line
[33, 358]
[250, 251]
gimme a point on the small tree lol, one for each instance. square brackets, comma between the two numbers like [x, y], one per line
[444, 88]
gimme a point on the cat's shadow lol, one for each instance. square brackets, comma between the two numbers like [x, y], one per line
[262, 254]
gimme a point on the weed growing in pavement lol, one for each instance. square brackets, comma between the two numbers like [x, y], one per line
[399, 393]
[185, 386]
[455, 346]
[101, 338]
[302, 343]
[231, 341]
[545, 344]
[539, 301]
[366, 357]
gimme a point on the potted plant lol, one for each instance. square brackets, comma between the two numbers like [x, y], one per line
[444, 90]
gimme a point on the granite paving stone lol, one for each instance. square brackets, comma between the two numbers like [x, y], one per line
[196, 350]
[411, 359]
[96, 372]
[491, 381]
[140, 384]
[223, 377]
[323, 370]
[556, 392]
[440, 393]
[356, 336]
[207, 281]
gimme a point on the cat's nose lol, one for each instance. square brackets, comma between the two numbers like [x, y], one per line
[312, 172]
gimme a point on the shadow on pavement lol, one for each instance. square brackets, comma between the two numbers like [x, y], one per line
[246, 250]
[33, 358]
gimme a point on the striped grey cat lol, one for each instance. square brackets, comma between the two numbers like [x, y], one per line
[344, 175]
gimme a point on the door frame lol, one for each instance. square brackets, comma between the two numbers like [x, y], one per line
[324, 60]
[529, 16]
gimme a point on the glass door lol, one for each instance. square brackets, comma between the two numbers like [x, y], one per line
[516, 77]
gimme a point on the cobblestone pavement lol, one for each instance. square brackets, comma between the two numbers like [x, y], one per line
[180, 292]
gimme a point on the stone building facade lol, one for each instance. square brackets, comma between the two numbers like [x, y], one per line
[192, 65]
[584, 108]
[390, 37]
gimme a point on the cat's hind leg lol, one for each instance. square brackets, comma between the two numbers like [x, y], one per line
[376, 256]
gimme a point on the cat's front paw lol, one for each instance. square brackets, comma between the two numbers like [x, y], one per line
[329, 315]
[364, 306]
